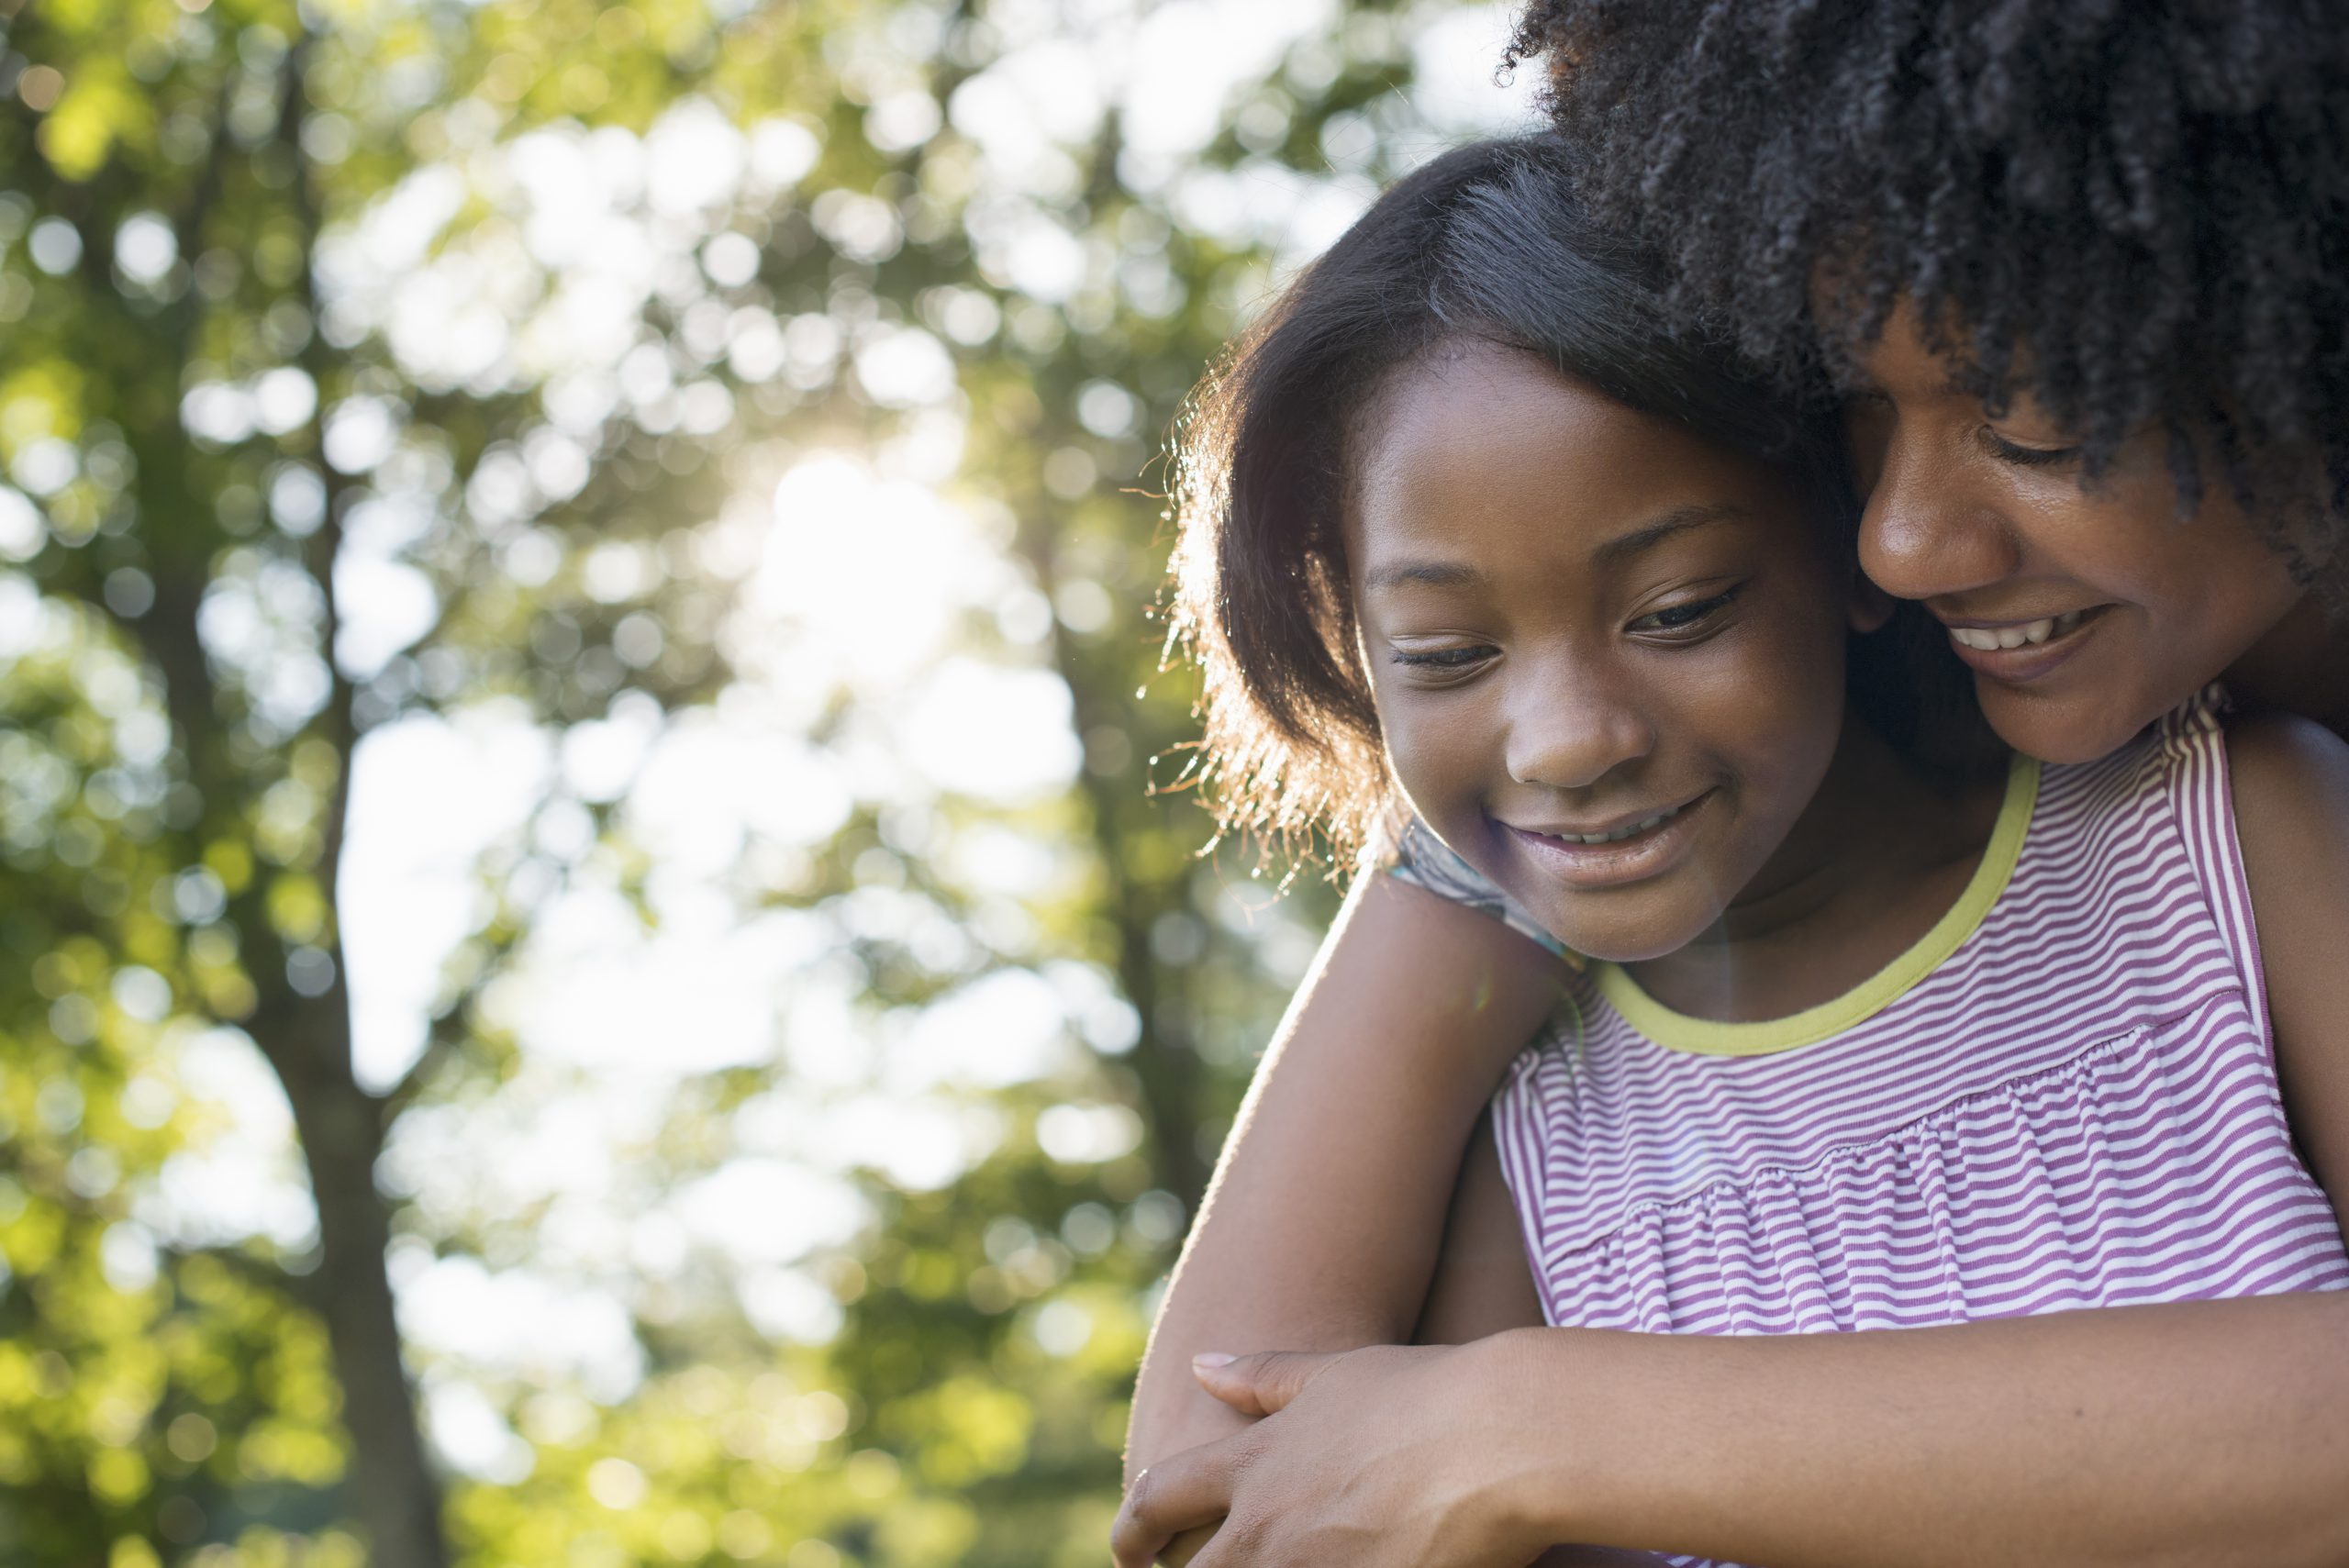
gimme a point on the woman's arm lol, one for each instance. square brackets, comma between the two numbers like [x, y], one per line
[2205, 1434]
[1321, 1225]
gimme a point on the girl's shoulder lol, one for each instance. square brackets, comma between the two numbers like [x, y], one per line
[2288, 768]
[2289, 780]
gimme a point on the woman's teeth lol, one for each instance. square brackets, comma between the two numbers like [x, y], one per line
[1988, 639]
[1621, 833]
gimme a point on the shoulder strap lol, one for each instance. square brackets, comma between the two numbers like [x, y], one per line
[2193, 779]
[1427, 862]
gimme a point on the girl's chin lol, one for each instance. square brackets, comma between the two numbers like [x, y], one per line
[1629, 952]
[1632, 940]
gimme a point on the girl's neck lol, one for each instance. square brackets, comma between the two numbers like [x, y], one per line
[2301, 667]
[1880, 854]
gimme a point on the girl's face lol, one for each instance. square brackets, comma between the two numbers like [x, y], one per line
[2085, 614]
[1608, 657]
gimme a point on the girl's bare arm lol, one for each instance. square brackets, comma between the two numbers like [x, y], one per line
[1320, 1229]
[2291, 794]
[1483, 1283]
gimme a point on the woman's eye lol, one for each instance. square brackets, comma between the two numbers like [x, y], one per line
[1867, 407]
[2023, 456]
[1443, 658]
[1680, 618]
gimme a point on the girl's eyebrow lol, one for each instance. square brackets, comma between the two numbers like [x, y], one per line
[1680, 519]
[1614, 553]
[1434, 573]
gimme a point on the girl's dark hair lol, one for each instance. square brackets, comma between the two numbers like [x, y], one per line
[1487, 242]
[2135, 210]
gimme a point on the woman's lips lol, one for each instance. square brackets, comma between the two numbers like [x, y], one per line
[2017, 652]
[1655, 841]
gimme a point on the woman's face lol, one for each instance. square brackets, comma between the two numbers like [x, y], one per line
[1608, 657]
[2085, 614]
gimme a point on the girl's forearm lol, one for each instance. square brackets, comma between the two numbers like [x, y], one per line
[1321, 1231]
[2203, 1434]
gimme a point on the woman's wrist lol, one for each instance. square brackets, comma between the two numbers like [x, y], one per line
[1547, 1396]
[1603, 1429]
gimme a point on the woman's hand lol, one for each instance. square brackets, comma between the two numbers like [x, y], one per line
[1387, 1457]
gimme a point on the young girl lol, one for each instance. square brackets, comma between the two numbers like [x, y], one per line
[1877, 1049]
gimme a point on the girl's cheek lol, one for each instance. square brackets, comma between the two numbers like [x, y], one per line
[1435, 754]
[1443, 754]
[1779, 702]
[1407, 748]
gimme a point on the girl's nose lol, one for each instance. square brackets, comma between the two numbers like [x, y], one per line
[1573, 734]
[1924, 534]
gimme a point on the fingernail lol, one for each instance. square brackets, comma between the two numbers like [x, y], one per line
[1213, 1358]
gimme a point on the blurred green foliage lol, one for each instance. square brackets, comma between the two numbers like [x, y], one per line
[216, 425]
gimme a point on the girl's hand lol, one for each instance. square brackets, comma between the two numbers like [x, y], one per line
[1381, 1458]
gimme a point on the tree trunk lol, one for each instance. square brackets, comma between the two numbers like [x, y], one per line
[394, 1494]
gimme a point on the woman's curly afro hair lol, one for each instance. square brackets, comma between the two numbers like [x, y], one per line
[2137, 211]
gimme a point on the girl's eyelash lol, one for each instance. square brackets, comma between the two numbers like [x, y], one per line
[1443, 658]
[1687, 615]
[1684, 618]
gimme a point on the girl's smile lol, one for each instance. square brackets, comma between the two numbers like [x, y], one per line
[1638, 845]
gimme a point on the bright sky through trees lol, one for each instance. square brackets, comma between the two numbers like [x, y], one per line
[860, 572]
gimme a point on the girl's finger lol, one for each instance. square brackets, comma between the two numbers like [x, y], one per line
[1191, 1489]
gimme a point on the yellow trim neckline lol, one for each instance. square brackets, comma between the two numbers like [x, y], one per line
[1712, 1037]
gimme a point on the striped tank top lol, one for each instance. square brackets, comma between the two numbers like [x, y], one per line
[2061, 1097]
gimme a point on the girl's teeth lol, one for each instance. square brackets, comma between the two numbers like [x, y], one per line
[1621, 833]
[1986, 638]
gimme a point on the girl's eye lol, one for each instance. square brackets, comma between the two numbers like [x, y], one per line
[1683, 616]
[2022, 456]
[1443, 658]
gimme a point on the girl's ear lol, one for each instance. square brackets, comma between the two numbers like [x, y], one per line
[1871, 605]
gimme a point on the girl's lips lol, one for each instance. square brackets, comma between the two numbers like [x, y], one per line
[2023, 651]
[1643, 854]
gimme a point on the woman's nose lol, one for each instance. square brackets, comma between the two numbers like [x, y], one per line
[1574, 733]
[1925, 534]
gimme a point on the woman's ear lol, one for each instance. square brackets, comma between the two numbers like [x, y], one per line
[1871, 605]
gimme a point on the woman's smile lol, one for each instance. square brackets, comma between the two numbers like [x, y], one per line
[2016, 652]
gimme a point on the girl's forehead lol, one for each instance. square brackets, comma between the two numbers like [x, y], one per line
[1440, 421]
[1498, 453]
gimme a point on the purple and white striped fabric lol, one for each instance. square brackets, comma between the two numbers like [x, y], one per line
[2077, 1109]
